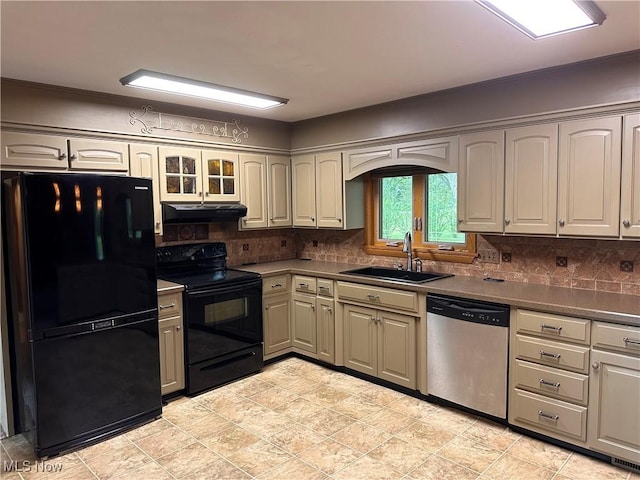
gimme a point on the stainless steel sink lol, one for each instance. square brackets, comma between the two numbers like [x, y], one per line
[398, 275]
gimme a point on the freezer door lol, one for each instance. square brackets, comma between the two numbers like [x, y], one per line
[92, 384]
[90, 247]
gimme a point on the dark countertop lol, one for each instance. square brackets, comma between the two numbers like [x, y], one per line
[604, 306]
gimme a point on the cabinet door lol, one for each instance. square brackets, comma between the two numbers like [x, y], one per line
[276, 322]
[325, 336]
[143, 162]
[171, 355]
[630, 202]
[303, 186]
[481, 182]
[220, 176]
[304, 330]
[279, 191]
[98, 155]
[531, 178]
[329, 190]
[26, 150]
[614, 396]
[253, 178]
[397, 349]
[360, 339]
[180, 171]
[589, 177]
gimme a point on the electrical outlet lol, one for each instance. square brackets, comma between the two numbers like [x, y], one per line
[489, 255]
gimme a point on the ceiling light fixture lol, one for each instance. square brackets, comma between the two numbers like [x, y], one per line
[544, 18]
[162, 82]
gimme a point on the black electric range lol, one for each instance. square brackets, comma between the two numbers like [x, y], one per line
[222, 314]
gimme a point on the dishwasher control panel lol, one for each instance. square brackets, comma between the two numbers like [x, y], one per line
[470, 310]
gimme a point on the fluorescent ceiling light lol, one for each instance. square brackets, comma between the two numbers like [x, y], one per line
[543, 18]
[194, 88]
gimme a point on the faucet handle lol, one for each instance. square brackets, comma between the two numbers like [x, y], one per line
[397, 266]
[418, 265]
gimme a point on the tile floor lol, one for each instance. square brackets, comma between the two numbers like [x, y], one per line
[297, 421]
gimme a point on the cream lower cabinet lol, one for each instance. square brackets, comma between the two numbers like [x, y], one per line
[276, 315]
[614, 395]
[549, 382]
[325, 329]
[171, 342]
[303, 326]
[381, 344]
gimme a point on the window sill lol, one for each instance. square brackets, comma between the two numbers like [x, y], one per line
[455, 256]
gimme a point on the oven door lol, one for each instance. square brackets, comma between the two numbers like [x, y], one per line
[223, 320]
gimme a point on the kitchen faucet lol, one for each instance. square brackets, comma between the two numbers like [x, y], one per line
[406, 248]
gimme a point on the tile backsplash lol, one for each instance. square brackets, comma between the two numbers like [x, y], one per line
[599, 265]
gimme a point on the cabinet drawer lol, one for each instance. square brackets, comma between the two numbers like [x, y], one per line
[549, 414]
[379, 297]
[277, 284]
[325, 287]
[622, 338]
[553, 326]
[555, 354]
[554, 382]
[169, 305]
[304, 284]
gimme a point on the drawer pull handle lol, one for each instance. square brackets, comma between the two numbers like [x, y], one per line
[544, 326]
[162, 307]
[551, 355]
[304, 285]
[276, 285]
[548, 415]
[324, 289]
[373, 297]
[549, 384]
[631, 340]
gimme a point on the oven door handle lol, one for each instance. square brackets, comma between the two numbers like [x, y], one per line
[225, 290]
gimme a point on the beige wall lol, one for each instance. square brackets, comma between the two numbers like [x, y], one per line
[86, 112]
[610, 80]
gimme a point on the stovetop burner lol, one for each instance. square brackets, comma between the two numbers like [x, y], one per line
[199, 265]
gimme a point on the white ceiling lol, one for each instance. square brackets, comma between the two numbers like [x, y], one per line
[324, 56]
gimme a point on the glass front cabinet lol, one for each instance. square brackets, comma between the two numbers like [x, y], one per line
[188, 175]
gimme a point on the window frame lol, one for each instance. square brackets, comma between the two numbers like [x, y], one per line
[461, 253]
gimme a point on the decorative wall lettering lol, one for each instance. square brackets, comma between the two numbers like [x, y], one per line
[151, 121]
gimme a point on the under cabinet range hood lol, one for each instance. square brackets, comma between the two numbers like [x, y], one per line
[202, 212]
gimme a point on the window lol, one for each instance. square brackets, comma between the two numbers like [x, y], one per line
[426, 206]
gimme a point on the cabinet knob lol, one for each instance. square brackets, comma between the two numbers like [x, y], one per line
[157, 224]
[178, 328]
[206, 194]
[460, 220]
[561, 222]
[73, 157]
[339, 220]
[313, 219]
[267, 307]
[62, 156]
[507, 221]
[595, 365]
[626, 223]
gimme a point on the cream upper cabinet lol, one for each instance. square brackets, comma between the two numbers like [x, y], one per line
[279, 191]
[481, 182]
[630, 201]
[103, 155]
[35, 151]
[329, 196]
[192, 175]
[304, 191]
[531, 177]
[143, 162]
[265, 191]
[253, 178]
[589, 164]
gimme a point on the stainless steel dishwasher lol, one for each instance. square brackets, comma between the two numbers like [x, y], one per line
[467, 353]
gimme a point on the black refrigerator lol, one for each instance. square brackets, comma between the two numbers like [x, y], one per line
[83, 305]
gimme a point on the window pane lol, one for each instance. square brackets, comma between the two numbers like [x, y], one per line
[442, 209]
[396, 202]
